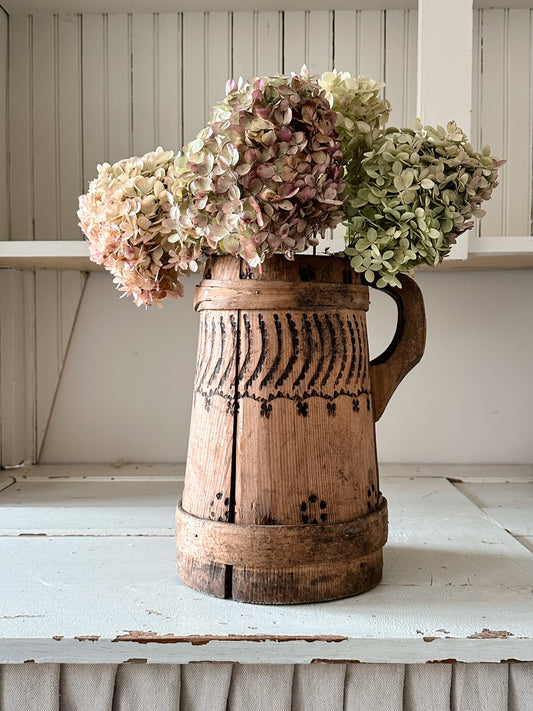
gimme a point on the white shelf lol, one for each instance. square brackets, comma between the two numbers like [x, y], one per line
[42, 254]
[74, 254]
[456, 584]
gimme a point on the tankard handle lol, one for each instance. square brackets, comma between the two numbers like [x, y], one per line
[406, 347]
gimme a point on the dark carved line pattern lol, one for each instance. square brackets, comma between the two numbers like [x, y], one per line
[218, 364]
[230, 366]
[308, 341]
[207, 355]
[344, 349]
[320, 330]
[354, 351]
[202, 340]
[275, 365]
[359, 349]
[249, 343]
[262, 357]
[333, 338]
[295, 351]
[303, 342]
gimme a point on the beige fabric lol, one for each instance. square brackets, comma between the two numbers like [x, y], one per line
[427, 687]
[480, 687]
[205, 686]
[81, 684]
[147, 687]
[261, 687]
[29, 687]
[521, 687]
[283, 687]
[315, 682]
[374, 687]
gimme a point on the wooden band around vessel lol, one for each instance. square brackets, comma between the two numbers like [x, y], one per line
[280, 546]
[257, 294]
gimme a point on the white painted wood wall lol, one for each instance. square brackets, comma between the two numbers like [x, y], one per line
[89, 88]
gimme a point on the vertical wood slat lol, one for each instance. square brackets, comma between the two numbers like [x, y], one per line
[94, 100]
[142, 77]
[320, 41]
[492, 113]
[69, 124]
[475, 131]
[20, 127]
[345, 40]
[243, 60]
[218, 56]
[400, 68]
[118, 88]
[268, 42]
[294, 41]
[194, 69]
[517, 185]
[371, 42]
[4, 153]
[45, 127]
[17, 374]
[168, 79]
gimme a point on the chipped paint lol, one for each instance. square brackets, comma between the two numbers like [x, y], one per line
[335, 661]
[14, 617]
[88, 638]
[441, 661]
[490, 634]
[136, 660]
[196, 640]
[58, 637]
[430, 639]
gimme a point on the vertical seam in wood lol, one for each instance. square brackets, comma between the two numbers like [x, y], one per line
[206, 66]
[480, 91]
[280, 41]
[230, 45]
[530, 122]
[105, 41]
[157, 78]
[306, 37]
[383, 45]
[505, 122]
[130, 56]
[80, 97]
[7, 167]
[31, 127]
[57, 128]
[180, 77]
[282, 22]
[255, 47]
[34, 344]
[405, 73]
[331, 46]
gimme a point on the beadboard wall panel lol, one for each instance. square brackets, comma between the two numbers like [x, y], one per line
[89, 88]
[502, 116]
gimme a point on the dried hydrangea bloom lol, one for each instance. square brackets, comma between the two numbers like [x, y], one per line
[410, 197]
[361, 112]
[265, 175]
[126, 217]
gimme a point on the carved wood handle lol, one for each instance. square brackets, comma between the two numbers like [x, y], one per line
[406, 348]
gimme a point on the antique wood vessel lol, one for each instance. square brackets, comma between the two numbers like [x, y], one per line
[282, 501]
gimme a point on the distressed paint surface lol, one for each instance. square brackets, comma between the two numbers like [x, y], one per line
[456, 584]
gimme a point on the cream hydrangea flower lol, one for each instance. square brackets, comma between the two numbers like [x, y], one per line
[125, 215]
[361, 112]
